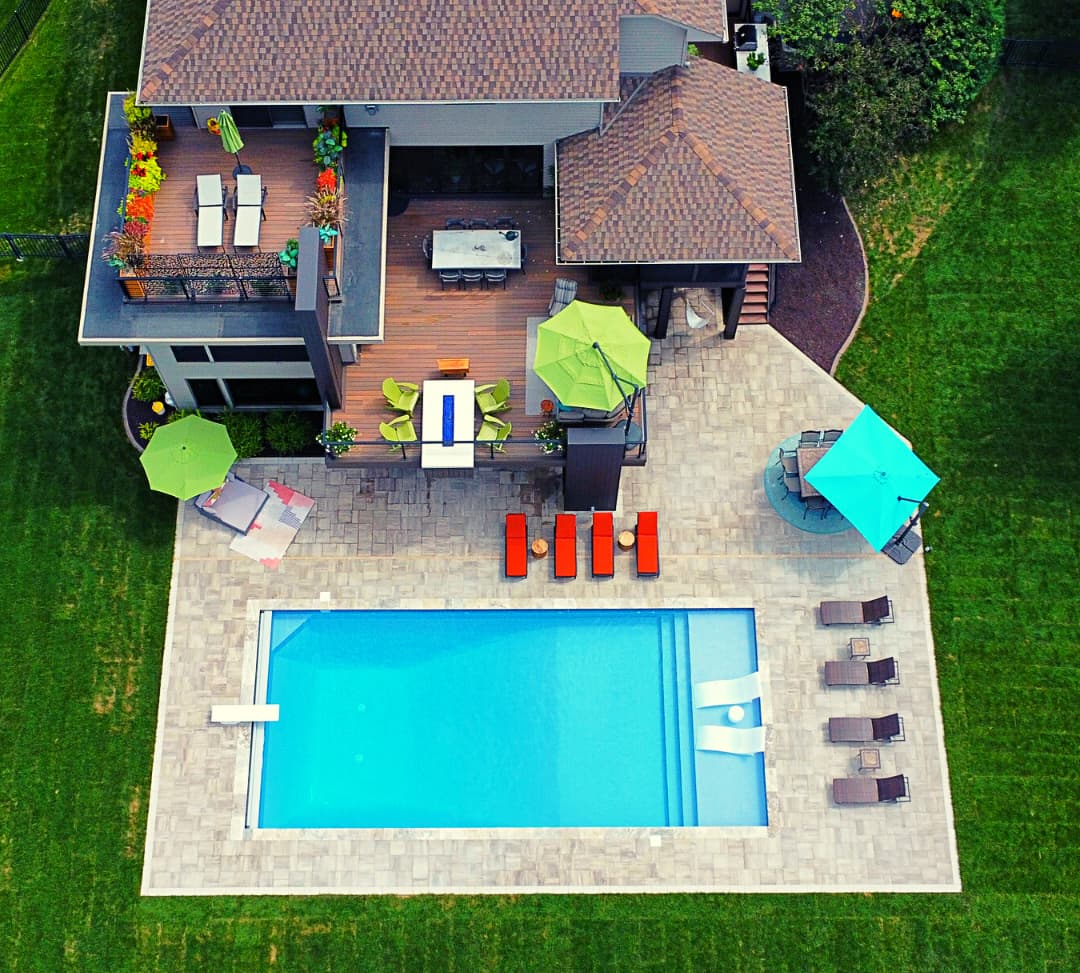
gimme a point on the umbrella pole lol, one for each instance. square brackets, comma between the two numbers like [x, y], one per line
[618, 384]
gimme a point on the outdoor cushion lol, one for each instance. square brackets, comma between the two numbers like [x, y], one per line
[603, 545]
[648, 544]
[565, 545]
[517, 546]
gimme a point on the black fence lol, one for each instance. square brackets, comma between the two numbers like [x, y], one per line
[1051, 54]
[16, 31]
[50, 246]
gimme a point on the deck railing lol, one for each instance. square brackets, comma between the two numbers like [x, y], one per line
[50, 246]
[16, 32]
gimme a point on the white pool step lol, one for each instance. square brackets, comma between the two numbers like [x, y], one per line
[244, 713]
[724, 692]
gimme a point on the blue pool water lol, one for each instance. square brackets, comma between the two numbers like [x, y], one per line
[417, 719]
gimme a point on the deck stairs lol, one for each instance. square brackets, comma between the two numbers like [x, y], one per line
[755, 309]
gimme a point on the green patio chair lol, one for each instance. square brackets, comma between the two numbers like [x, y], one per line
[493, 398]
[493, 430]
[399, 430]
[402, 396]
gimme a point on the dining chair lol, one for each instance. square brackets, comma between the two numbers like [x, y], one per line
[472, 277]
[505, 223]
[479, 225]
[457, 224]
[425, 248]
[524, 256]
[831, 435]
[495, 277]
[810, 437]
[820, 504]
[450, 277]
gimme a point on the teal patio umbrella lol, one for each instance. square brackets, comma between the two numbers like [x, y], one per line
[873, 478]
[592, 356]
[230, 138]
[188, 457]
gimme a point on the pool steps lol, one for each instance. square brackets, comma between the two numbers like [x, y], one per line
[680, 790]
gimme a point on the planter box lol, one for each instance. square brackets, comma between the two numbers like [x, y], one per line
[131, 284]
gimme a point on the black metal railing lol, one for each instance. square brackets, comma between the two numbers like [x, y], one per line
[49, 246]
[213, 277]
[16, 32]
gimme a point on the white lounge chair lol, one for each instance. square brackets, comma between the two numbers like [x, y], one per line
[250, 194]
[731, 739]
[725, 692]
[210, 206]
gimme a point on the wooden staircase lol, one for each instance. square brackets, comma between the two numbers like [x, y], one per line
[755, 309]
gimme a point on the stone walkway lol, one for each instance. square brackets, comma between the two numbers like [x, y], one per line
[402, 537]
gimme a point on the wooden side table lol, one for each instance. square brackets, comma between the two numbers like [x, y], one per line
[859, 648]
[626, 540]
[453, 367]
[539, 548]
[869, 760]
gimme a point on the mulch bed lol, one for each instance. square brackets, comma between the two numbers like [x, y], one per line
[818, 301]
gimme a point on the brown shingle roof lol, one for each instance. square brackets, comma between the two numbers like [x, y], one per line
[312, 51]
[706, 15]
[695, 168]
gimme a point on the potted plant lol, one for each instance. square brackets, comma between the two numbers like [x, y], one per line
[549, 437]
[288, 258]
[337, 439]
[328, 146]
[326, 210]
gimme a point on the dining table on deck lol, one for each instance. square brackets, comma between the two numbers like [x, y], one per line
[446, 426]
[475, 250]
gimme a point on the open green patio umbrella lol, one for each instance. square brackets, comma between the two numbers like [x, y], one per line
[873, 478]
[187, 457]
[583, 348]
[230, 136]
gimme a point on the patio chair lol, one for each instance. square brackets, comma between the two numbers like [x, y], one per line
[495, 277]
[565, 292]
[425, 248]
[235, 504]
[209, 204]
[648, 545]
[877, 611]
[493, 430]
[248, 221]
[493, 398]
[516, 561]
[789, 470]
[457, 224]
[603, 545]
[505, 223]
[401, 396]
[399, 430]
[524, 256]
[450, 277]
[566, 545]
[864, 729]
[479, 225]
[810, 437]
[472, 277]
[883, 672]
[870, 790]
[831, 435]
[816, 503]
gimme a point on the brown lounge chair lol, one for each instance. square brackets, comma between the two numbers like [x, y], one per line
[517, 546]
[603, 545]
[872, 612]
[566, 545]
[870, 790]
[860, 673]
[863, 729]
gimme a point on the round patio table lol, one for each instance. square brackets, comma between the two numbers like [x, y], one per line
[790, 505]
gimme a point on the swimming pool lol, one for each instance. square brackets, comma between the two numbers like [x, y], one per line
[498, 718]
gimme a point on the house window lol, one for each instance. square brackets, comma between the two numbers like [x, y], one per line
[258, 353]
[294, 392]
[190, 353]
[267, 116]
[207, 393]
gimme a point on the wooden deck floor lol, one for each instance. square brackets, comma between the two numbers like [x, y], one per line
[282, 157]
[424, 323]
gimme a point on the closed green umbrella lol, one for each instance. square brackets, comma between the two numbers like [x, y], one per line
[230, 137]
[188, 457]
[591, 356]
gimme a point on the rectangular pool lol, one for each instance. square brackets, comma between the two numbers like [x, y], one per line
[502, 718]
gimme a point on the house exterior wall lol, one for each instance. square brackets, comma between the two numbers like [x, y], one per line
[511, 123]
[648, 44]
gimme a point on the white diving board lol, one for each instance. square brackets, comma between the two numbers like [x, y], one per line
[244, 713]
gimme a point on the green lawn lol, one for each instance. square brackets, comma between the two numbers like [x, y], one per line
[972, 346]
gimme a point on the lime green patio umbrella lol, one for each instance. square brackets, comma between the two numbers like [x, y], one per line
[188, 457]
[592, 356]
[230, 137]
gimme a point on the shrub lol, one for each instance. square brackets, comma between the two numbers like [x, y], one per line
[809, 26]
[124, 248]
[148, 386]
[286, 433]
[181, 414]
[550, 436]
[140, 118]
[326, 209]
[328, 146]
[147, 430]
[245, 431]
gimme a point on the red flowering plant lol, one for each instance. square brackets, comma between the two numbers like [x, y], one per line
[327, 181]
[139, 206]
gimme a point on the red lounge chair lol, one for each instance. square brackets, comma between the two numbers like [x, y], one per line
[648, 545]
[566, 545]
[603, 545]
[517, 546]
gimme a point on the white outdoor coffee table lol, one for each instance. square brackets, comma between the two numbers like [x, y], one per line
[475, 250]
[462, 453]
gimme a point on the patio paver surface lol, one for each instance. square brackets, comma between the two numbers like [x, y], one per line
[403, 537]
